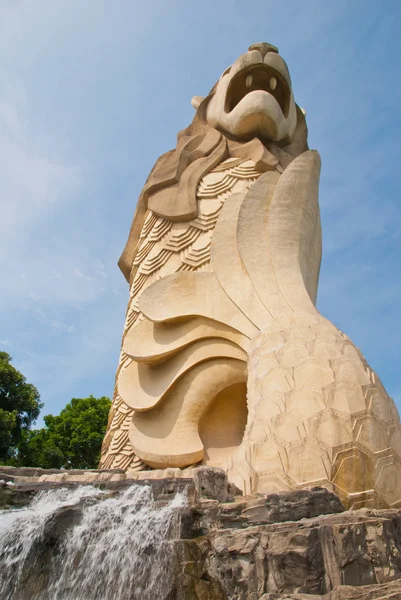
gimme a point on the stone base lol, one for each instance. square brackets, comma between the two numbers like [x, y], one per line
[298, 545]
[19, 485]
[275, 547]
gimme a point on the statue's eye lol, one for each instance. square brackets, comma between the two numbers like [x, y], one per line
[226, 71]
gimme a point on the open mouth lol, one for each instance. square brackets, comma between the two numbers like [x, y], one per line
[258, 77]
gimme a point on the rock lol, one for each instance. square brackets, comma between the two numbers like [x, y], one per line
[210, 482]
[298, 545]
[65, 518]
[313, 556]
[38, 472]
[6, 494]
[285, 506]
[204, 482]
[386, 591]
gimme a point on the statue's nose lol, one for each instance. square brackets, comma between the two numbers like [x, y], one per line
[264, 48]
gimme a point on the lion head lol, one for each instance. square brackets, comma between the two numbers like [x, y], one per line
[249, 113]
[254, 98]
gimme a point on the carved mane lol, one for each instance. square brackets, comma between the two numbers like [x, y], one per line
[170, 190]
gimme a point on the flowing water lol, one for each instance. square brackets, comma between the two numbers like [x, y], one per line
[82, 544]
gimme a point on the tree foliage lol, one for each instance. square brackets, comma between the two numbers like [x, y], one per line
[71, 440]
[19, 407]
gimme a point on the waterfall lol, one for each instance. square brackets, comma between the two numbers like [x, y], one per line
[87, 544]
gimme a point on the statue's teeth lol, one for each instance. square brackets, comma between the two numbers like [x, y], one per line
[273, 83]
[248, 81]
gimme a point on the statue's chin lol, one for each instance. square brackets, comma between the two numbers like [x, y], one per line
[258, 114]
[254, 125]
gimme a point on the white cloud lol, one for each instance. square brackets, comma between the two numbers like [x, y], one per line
[64, 327]
[79, 275]
[99, 268]
[33, 182]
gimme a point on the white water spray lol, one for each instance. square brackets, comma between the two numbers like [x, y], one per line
[115, 548]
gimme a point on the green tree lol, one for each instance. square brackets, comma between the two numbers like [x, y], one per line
[71, 440]
[19, 407]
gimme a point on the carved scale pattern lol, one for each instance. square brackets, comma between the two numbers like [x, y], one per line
[166, 247]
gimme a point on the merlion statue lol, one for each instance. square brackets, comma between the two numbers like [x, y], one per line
[225, 359]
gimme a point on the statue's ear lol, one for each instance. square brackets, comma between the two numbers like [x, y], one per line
[196, 101]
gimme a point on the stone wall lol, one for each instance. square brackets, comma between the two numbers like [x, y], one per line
[292, 545]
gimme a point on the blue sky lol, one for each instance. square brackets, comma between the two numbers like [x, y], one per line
[91, 93]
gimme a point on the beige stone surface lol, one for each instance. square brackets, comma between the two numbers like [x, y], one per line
[225, 359]
[240, 105]
[169, 435]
